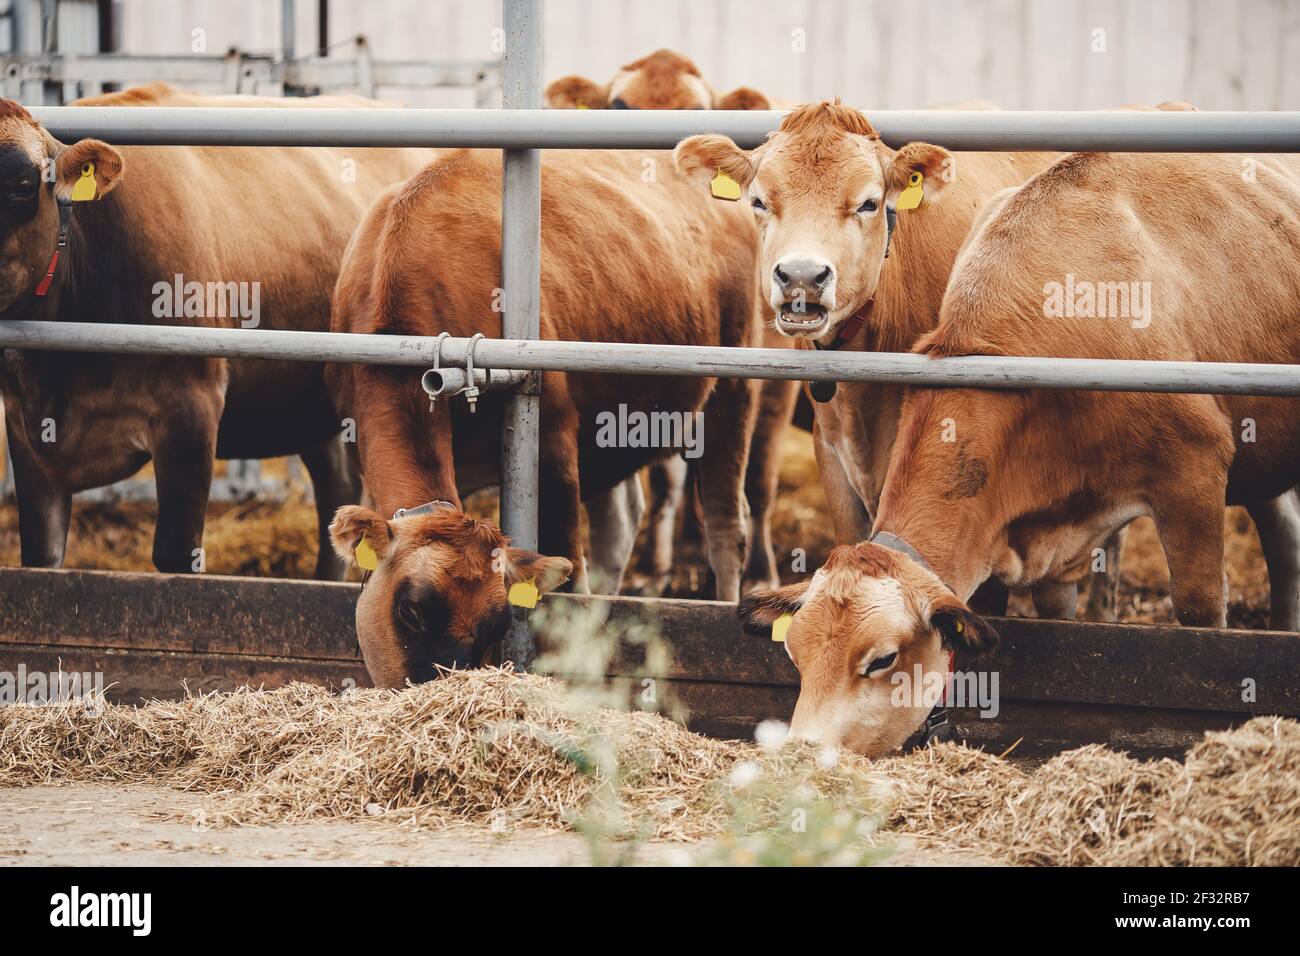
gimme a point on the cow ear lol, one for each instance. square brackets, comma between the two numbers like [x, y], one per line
[935, 164]
[961, 629]
[546, 572]
[742, 98]
[575, 93]
[88, 156]
[757, 610]
[352, 524]
[701, 158]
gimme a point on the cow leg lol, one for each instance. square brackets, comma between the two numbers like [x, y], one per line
[335, 483]
[729, 417]
[44, 512]
[613, 520]
[775, 408]
[1056, 601]
[1103, 590]
[1278, 524]
[849, 516]
[1191, 532]
[559, 528]
[667, 489]
[184, 448]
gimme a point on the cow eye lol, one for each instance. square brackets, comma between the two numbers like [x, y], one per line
[758, 204]
[22, 190]
[409, 612]
[880, 664]
[869, 205]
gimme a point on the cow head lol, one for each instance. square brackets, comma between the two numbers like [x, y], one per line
[819, 187]
[36, 170]
[860, 629]
[438, 596]
[664, 80]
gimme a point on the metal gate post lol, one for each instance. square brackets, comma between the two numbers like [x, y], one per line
[521, 276]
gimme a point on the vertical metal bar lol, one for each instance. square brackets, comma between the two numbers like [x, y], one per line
[288, 31]
[521, 276]
[323, 28]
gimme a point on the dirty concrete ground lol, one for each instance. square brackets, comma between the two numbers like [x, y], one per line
[93, 824]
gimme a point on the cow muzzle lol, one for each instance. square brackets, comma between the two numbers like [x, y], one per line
[803, 295]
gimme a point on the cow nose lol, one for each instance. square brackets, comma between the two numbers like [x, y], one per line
[808, 275]
[806, 730]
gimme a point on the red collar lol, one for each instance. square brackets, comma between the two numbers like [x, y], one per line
[849, 329]
[65, 212]
[824, 391]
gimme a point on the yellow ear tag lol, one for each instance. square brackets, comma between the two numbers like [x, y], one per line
[523, 594]
[85, 186]
[958, 626]
[583, 106]
[366, 556]
[780, 626]
[911, 197]
[724, 187]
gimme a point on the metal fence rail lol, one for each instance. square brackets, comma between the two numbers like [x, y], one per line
[975, 371]
[651, 129]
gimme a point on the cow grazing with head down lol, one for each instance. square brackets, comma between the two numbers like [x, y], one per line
[438, 596]
[271, 223]
[843, 268]
[663, 80]
[1151, 247]
[623, 259]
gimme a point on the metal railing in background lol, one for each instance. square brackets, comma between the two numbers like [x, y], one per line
[238, 71]
[38, 70]
[521, 131]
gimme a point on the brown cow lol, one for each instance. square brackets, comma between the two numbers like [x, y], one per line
[625, 257]
[274, 220]
[1119, 256]
[438, 596]
[663, 80]
[820, 188]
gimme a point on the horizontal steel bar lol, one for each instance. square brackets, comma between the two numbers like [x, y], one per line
[655, 129]
[328, 72]
[976, 371]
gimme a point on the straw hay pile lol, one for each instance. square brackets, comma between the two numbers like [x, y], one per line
[492, 747]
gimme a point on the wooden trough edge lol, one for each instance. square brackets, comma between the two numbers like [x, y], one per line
[1143, 687]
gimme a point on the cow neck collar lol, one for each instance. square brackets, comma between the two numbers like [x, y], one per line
[893, 542]
[65, 219]
[823, 392]
[936, 728]
[428, 508]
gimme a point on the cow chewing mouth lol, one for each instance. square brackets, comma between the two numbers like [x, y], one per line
[811, 321]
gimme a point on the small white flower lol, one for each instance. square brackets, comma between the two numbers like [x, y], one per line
[374, 809]
[743, 774]
[771, 734]
[828, 758]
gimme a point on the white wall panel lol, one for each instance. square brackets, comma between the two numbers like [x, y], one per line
[1221, 54]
